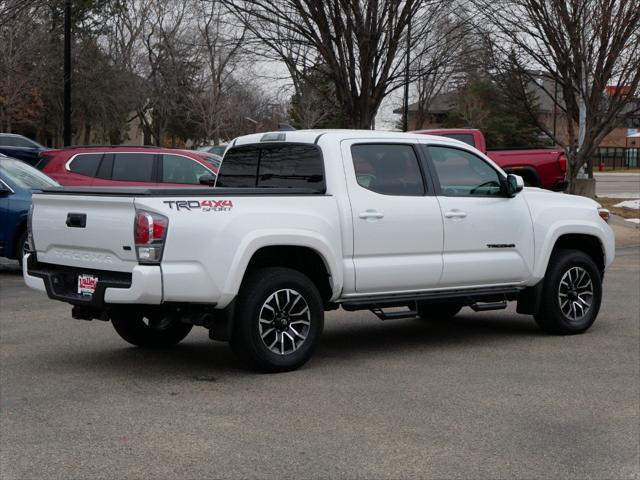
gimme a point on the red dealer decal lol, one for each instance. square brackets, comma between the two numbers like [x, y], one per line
[204, 205]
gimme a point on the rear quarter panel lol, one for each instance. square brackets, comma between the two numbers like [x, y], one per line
[207, 250]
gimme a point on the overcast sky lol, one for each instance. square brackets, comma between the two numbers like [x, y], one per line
[276, 82]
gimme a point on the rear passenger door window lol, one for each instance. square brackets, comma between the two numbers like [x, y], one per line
[179, 169]
[133, 167]
[388, 169]
[85, 164]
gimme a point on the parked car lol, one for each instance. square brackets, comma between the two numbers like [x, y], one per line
[217, 149]
[18, 181]
[20, 147]
[122, 166]
[539, 167]
[212, 158]
[308, 221]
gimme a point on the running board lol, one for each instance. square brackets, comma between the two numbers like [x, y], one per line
[352, 303]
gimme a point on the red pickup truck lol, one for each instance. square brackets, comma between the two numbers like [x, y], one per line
[539, 167]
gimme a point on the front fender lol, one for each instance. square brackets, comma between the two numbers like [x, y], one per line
[555, 230]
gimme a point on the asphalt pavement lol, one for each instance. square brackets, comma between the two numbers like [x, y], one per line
[618, 184]
[486, 395]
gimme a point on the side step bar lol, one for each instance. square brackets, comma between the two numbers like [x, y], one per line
[413, 312]
[382, 315]
[473, 294]
[485, 307]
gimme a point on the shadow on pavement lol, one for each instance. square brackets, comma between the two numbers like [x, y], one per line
[204, 360]
[10, 267]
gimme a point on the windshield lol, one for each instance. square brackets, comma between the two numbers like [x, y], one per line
[18, 141]
[25, 175]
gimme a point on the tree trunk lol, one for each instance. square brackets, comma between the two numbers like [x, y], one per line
[87, 134]
[576, 160]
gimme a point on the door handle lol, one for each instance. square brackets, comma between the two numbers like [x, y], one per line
[371, 215]
[455, 214]
[76, 220]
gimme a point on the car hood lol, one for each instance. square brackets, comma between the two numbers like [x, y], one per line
[534, 194]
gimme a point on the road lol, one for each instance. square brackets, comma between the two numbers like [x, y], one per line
[483, 396]
[618, 184]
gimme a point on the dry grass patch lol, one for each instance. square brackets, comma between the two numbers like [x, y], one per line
[609, 203]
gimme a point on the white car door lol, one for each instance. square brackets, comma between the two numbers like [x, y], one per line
[397, 225]
[488, 237]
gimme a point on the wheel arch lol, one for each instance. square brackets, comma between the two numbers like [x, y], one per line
[308, 255]
[528, 173]
[588, 242]
[303, 259]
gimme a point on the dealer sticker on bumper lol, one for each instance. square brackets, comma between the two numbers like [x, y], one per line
[87, 284]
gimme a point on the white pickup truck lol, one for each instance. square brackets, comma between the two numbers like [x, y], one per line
[303, 222]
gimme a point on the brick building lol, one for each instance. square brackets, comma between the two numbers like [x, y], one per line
[543, 88]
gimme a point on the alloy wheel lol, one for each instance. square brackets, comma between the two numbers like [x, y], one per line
[284, 321]
[575, 293]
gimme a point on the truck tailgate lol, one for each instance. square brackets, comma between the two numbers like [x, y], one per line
[94, 232]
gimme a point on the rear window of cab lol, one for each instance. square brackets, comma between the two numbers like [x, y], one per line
[274, 166]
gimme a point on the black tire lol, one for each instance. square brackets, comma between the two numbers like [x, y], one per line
[252, 322]
[21, 246]
[148, 329]
[551, 317]
[438, 310]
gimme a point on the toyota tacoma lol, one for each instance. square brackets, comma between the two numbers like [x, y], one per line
[299, 223]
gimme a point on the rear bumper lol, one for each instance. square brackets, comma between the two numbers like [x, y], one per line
[143, 285]
[560, 186]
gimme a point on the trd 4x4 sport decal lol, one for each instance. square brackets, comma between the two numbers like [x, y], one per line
[204, 205]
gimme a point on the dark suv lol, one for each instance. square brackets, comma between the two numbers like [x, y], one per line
[20, 147]
[127, 166]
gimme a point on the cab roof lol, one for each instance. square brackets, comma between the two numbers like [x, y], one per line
[314, 136]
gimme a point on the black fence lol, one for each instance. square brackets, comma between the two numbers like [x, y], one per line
[617, 158]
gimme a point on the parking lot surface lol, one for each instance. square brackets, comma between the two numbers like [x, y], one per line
[483, 396]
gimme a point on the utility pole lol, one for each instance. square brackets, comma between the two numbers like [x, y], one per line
[405, 116]
[66, 132]
[555, 106]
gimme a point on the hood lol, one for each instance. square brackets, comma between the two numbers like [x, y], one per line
[559, 198]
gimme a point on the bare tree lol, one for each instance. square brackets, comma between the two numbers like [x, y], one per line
[584, 46]
[220, 40]
[439, 60]
[16, 79]
[361, 43]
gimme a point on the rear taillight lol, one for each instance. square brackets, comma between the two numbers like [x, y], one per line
[149, 232]
[30, 245]
[563, 163]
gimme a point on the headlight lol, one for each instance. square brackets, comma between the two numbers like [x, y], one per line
[604, 214]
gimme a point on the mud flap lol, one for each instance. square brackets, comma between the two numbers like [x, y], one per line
[529, 299]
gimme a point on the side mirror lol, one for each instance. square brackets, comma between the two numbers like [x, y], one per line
[514, 184]
[209, 180]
